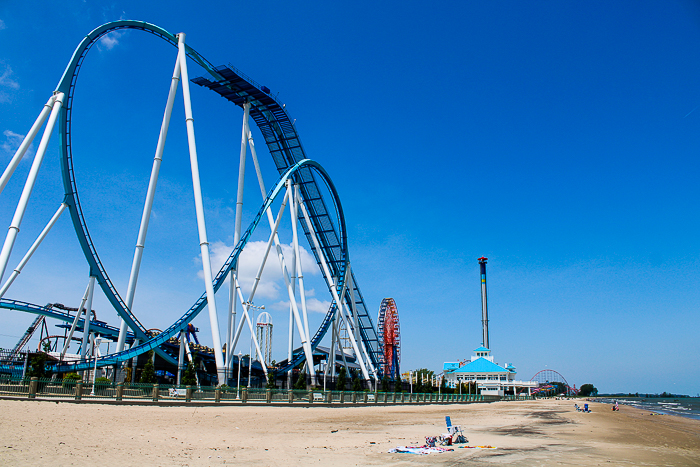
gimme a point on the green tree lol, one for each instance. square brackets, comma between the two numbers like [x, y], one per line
[356, 382]
[588, 390]
[301, 382]
[398, 387]
[385, 384]
[189, 376]
[37, 365]
[419, 376]
[148, 375]
[443, 386]
[271, 383]
[341, 382]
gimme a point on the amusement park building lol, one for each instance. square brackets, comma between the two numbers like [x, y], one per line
[490, 378]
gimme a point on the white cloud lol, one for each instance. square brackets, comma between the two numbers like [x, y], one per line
[6, 81]
[111, 40]
[271, 284]
[6, 78]
[12, 142]
[313, 305]
[2, 25]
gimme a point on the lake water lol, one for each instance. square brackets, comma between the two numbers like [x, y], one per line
[683, 406]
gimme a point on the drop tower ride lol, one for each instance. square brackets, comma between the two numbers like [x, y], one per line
[484, 306]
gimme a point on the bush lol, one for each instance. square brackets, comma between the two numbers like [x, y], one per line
[103, 381]
[71, 379]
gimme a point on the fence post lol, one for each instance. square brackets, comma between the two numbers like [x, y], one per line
[244, 395]
[155, 393]
[120, 391]
[217, 395]
[188, 393]
[329, 397]
[354, 397]
[365, 397]
[268, 396]
[310, 395]
[290, 395]
[79, 390]
[33, 384]
[403, 397]
[342, 397]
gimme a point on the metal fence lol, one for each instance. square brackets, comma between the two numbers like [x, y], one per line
[48, 389]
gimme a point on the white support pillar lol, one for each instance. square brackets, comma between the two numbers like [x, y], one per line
[33, 248]
[29, 186]
[199, 207]
[292, 299]
[290, 343]
[75, 321]
[296, 197]
[332, 347]
[237, 231]
[22, 149]
[181, 357]
[334, 292]
[148, 205]
[86, 318]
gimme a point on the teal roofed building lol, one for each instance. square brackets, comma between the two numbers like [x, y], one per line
[490, 378]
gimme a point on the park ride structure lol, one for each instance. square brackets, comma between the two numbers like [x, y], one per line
[303, 184]
[547, 377]
[389, 339]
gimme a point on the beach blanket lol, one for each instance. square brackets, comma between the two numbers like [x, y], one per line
[477, 447]
[421, 450]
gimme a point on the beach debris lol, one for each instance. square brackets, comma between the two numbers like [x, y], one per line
[421, 450]
[334, 431]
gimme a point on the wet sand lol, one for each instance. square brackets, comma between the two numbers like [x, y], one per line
[548, 432]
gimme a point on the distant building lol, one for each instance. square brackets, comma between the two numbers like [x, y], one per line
[490, 378]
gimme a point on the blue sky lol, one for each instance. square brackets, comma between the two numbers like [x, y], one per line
[557, 140]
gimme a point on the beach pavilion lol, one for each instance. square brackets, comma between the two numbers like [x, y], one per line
[490, 378]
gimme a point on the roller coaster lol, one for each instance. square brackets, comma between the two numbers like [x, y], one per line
[547, 377]
[302, 185]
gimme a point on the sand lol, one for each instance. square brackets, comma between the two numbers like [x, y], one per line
[546, 432]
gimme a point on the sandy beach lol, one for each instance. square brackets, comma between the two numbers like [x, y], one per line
[545, 432]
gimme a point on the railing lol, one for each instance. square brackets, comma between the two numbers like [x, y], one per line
[47, 389]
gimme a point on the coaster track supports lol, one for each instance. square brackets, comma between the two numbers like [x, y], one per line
[29, 184]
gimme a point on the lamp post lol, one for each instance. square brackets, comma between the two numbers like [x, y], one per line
[97, 342]
[238, 386]
[410, 380]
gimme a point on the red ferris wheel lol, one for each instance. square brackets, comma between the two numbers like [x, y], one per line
[389, 339]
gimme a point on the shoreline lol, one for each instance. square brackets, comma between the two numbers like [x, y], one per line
[539, 432]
